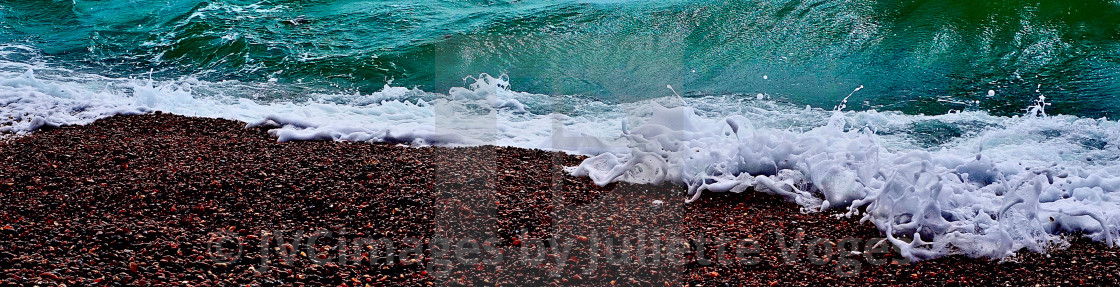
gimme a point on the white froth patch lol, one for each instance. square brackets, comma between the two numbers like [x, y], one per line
[27, 104]
[1012, 185]
[484, 112]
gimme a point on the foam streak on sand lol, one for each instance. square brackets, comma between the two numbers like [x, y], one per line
[992, 187]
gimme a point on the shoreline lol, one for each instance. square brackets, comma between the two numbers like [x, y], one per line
[137, 200]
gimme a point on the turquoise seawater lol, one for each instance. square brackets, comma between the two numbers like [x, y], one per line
[918, 57]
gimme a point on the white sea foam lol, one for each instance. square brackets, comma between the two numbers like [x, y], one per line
[1008, 186]
[990, 187]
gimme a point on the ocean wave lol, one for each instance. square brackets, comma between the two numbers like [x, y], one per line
[939, 55]
[960, 183]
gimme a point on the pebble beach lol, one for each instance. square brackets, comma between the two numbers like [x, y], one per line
[168, 200]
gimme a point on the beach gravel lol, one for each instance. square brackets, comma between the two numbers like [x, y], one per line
[162, 199]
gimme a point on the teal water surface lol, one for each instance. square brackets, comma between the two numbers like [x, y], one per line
[912, 56]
